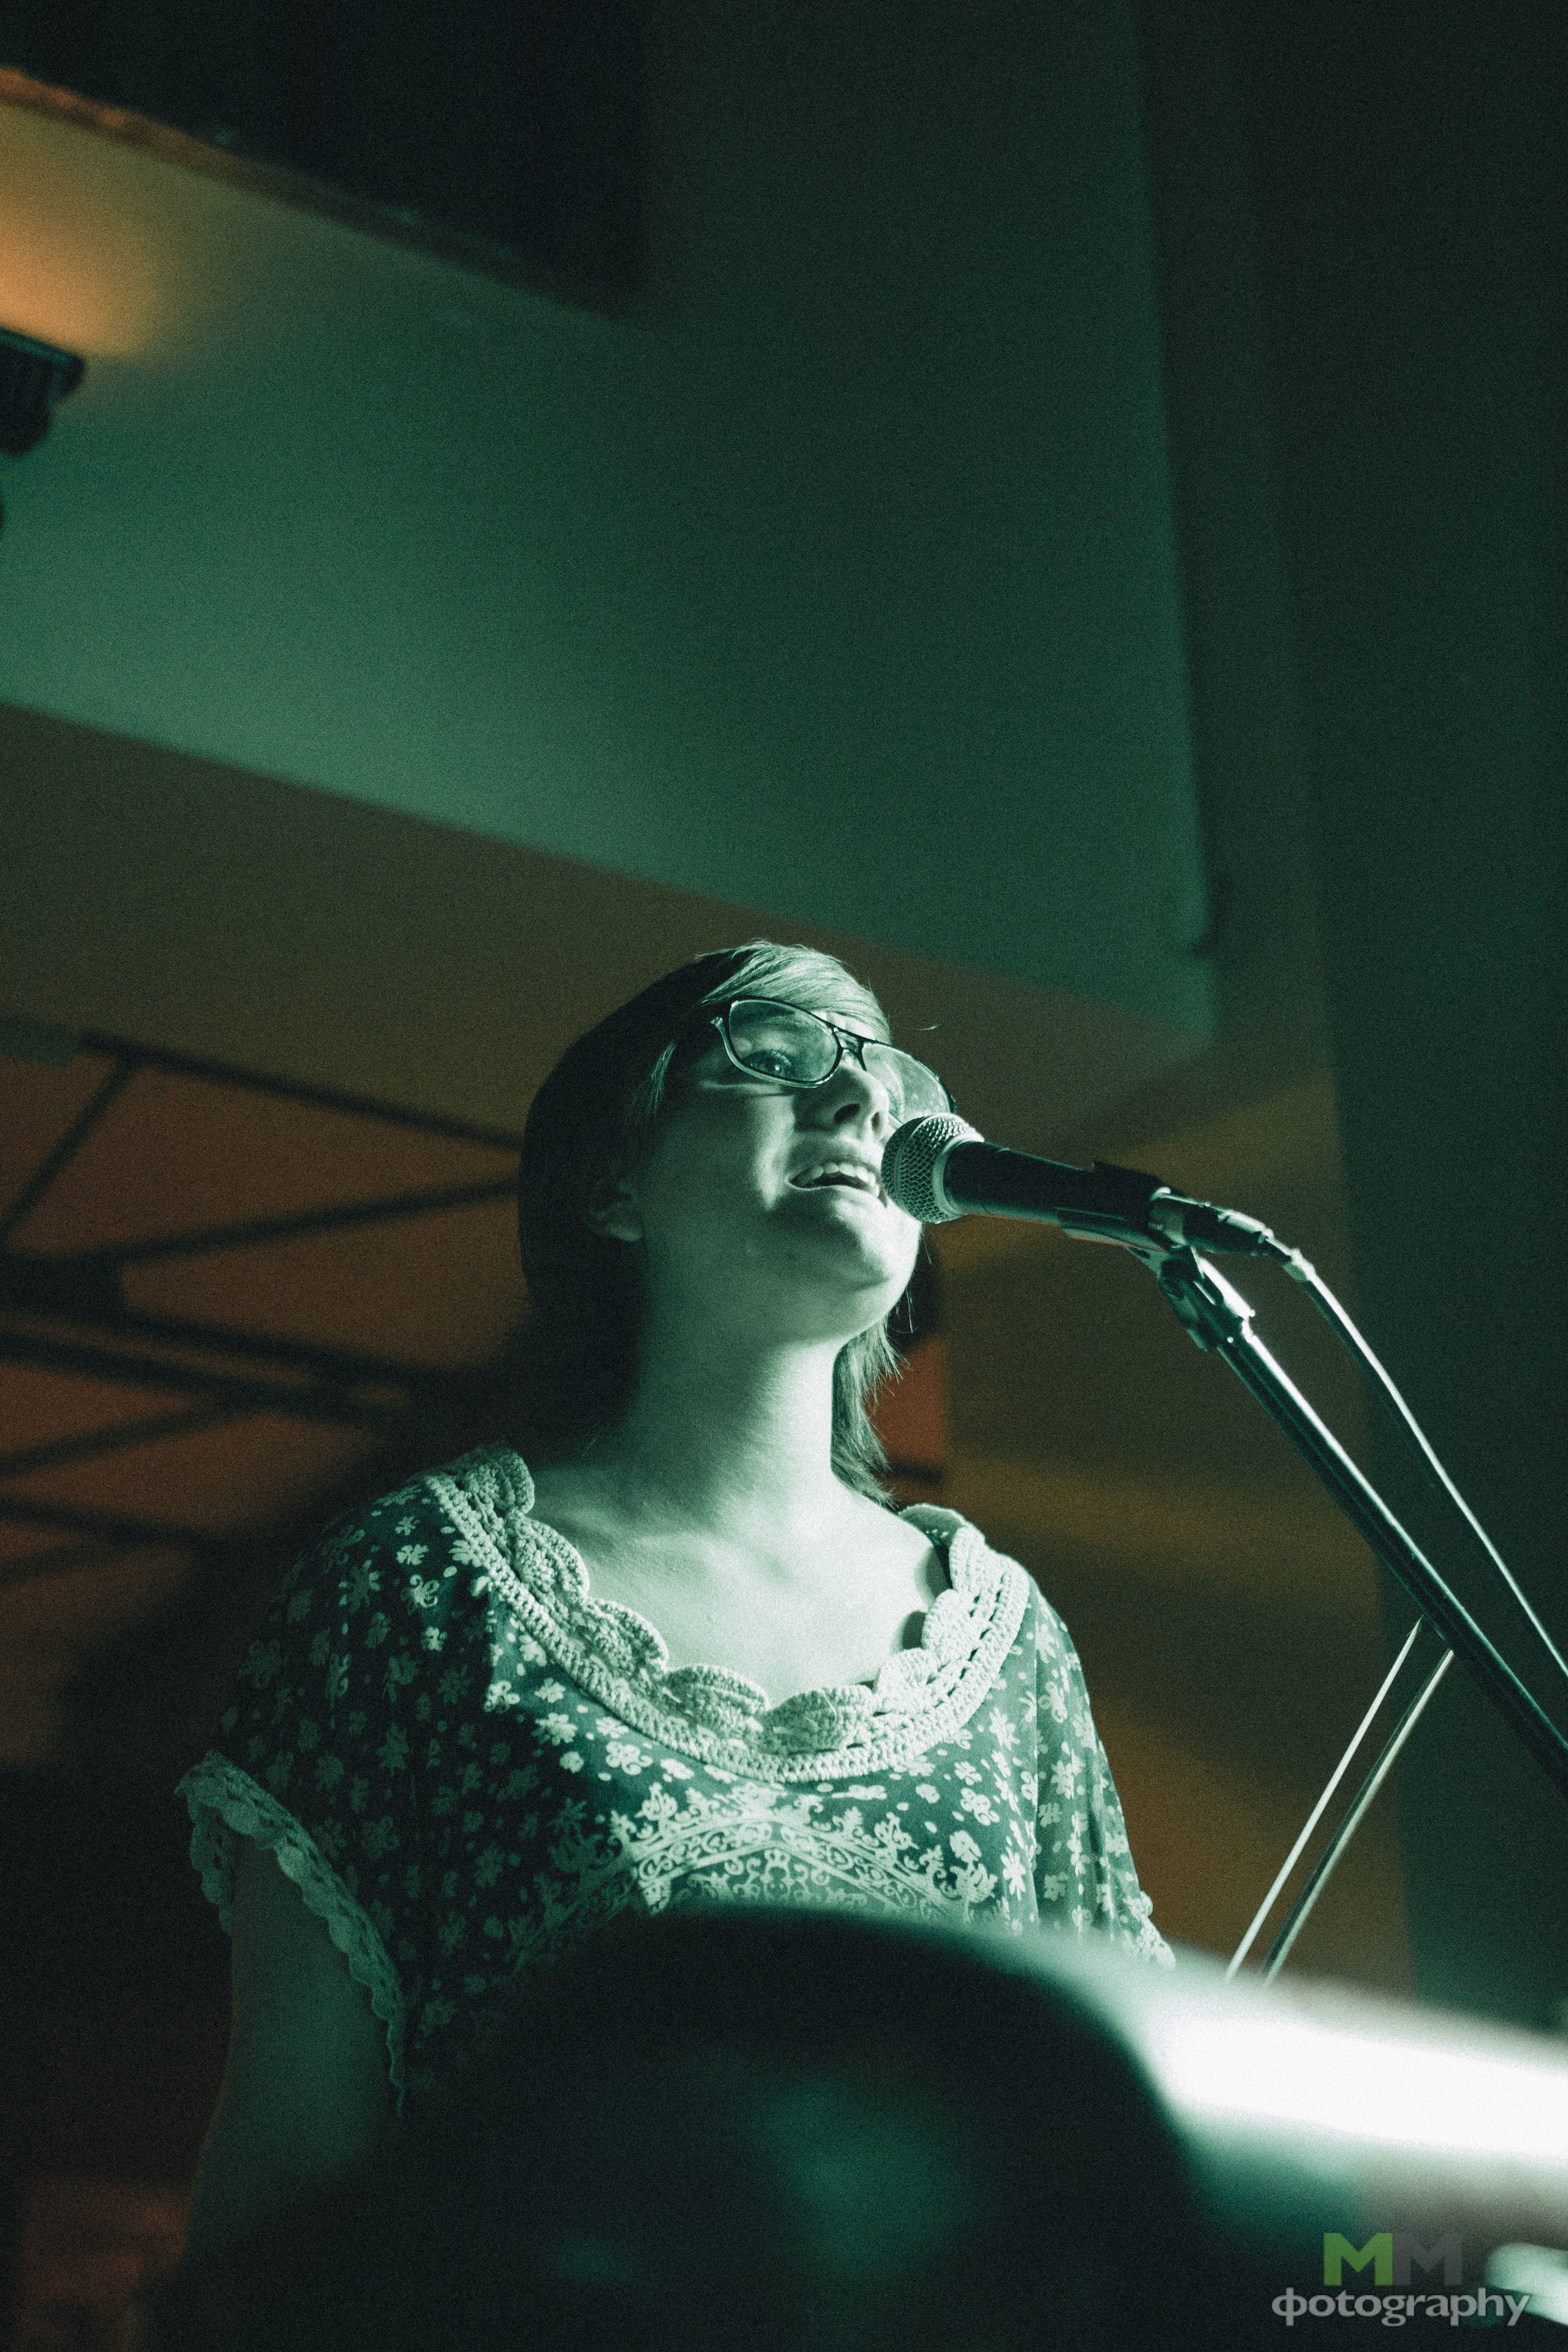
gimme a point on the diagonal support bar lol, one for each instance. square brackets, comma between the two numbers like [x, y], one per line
[90, 1442]
[252, 1230]
[235, 1391]
[1218, 1317]
[66, 1149]
[109, 1527]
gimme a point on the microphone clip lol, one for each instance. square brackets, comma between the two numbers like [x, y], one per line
[1115, 1204]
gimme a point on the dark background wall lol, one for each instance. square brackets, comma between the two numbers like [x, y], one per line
[1363, 215]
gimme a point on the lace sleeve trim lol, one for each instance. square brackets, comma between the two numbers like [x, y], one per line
[224, 1804]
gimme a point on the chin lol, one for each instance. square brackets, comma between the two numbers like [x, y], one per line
[870, 1266]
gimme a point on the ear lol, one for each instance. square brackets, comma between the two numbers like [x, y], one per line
[612, 1212]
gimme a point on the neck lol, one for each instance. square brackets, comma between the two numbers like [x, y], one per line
[729, 1440]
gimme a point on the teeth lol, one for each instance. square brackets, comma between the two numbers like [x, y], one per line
[856, 1174]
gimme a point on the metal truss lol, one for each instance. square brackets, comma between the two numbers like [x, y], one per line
[67, 1313]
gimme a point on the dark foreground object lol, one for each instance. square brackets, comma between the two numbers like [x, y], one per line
[784, 2131]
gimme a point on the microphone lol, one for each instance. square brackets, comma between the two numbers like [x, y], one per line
[940, 1168]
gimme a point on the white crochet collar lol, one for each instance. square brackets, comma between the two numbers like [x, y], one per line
[920, 1697]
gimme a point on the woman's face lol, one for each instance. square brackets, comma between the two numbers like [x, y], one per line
[734, 1228]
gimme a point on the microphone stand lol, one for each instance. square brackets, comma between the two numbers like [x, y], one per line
[1217, 1319]
[938, 1166]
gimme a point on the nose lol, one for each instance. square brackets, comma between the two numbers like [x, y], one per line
[857, 1098]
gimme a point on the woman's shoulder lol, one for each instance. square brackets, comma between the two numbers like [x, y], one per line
[475, 1495]
[379, 1567]
[986, 1564]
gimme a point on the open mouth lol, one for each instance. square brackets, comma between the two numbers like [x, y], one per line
[841, 1177]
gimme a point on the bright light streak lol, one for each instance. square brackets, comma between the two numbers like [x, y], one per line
[1355, 2086]
[1538, 2271]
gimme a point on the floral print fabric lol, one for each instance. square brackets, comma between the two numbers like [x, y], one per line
[466, 1761]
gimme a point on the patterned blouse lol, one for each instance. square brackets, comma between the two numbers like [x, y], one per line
[465, 1761]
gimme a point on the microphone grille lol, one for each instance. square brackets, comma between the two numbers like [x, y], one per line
[910, 1165]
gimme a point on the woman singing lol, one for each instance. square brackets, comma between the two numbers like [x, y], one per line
[674, 1643]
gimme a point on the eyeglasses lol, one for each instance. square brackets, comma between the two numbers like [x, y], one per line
[794, 1048]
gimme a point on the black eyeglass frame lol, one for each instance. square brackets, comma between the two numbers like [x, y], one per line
[841, 1037]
